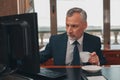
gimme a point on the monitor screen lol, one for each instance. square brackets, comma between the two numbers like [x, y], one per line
[19, 46]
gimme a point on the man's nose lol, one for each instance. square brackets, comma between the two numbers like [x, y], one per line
[69, 29]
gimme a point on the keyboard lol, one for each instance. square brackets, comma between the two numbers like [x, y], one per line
[15, 77]
[50, 73]
[2, 68]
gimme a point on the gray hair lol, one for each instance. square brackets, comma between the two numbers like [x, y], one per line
[78, 10]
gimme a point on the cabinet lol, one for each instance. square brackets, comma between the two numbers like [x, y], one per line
[12, 7]
[112, 56]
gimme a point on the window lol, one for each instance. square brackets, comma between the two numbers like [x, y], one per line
[115, 23]
[94, 9]
[42, 7]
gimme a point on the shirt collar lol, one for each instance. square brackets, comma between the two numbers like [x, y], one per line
[80, 40]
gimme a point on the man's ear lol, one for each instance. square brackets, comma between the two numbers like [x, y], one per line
[85, 25]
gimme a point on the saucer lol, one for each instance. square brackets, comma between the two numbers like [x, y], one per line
[92, 68]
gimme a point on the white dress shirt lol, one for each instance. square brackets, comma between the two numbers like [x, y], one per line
[70, 47]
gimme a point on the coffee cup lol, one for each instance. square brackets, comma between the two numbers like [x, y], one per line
[84, 56]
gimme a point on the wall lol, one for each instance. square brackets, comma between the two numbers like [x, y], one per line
[8, 7]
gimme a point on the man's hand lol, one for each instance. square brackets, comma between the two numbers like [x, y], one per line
[94, 59]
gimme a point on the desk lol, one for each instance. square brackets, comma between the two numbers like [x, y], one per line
[111, 72]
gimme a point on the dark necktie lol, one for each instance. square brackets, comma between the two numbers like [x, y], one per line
[76, 57]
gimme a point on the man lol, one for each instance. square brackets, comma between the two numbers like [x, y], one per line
[60, 47]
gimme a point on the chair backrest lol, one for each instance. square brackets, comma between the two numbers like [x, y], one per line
[48, 63]
[112, 56]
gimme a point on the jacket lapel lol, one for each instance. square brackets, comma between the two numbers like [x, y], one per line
[85, 42]
[64, 48]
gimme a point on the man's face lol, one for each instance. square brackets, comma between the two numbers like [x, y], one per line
[75, 26]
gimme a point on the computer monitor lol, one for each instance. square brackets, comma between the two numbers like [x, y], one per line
[19, 46]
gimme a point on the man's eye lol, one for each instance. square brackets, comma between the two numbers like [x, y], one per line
[67, 25]
[74, 26]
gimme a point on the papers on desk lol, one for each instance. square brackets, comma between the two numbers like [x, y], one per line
[96, 78]
[115, 65]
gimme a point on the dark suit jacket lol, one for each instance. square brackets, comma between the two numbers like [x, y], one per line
[57, 46]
